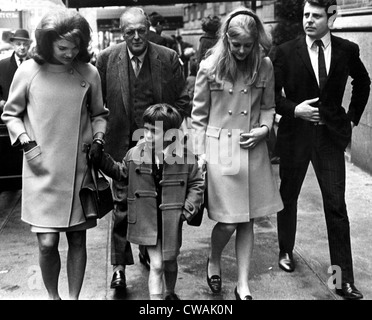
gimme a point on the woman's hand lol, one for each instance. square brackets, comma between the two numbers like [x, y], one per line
[24, 139]
[250, 140]
[96, 153]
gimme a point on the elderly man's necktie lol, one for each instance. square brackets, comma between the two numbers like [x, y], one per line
[136, 65]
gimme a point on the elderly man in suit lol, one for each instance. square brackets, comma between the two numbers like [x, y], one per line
[21, 43]
[135, 74]
[313, 71]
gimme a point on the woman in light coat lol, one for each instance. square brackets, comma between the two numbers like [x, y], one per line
[233, 112]
[55, 110]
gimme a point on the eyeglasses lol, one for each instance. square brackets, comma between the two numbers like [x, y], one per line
[132, 32]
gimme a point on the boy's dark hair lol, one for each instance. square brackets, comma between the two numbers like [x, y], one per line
[164, 112]
[330, 6]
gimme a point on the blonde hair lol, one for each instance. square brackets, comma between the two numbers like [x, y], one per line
[238, 22]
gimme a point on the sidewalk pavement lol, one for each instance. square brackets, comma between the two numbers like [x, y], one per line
[20, 277]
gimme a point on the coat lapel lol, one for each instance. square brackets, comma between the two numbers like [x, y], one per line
[124, 80]
[155, 65]
[335, 55]
[304, 55]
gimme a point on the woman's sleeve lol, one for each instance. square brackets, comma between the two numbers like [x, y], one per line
[99, 113]
[200, 110]
[16, 105]
[268, 97]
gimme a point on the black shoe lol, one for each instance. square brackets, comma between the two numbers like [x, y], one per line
[171, 296]
[118, 280]
[286, 262]
[349, 292]
[237, 296]
[144, 259]
[214, 282]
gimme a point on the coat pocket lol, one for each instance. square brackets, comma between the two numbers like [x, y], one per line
[142, 204]
[213, 132]
[34, 160]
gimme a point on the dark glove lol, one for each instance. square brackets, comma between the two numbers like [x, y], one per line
[96, 153]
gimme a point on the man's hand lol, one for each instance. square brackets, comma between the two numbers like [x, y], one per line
[307, 112]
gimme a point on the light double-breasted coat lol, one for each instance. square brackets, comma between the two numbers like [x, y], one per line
[61, 108]
[182, 190]
[241, 184]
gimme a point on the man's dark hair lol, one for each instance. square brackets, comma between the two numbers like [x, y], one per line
[156, 18]
[330, 6]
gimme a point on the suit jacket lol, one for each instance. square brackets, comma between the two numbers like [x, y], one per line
[294, 74]
[168, 85]
[157, 38]
[8, 67]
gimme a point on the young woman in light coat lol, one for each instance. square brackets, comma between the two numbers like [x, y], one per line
[233, 112]
[54, 110]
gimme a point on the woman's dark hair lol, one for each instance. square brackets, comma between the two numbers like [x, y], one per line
[62, 24]
[164, 112]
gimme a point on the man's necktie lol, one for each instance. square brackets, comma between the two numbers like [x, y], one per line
[20, 61]
[322, 71]
[136, 65]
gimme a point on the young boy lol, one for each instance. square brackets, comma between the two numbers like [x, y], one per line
[165, 187]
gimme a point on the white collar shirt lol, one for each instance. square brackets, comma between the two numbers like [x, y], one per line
[313, 49]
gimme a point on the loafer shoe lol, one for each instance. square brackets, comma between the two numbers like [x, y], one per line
[286, 262]
[214, 282]
[171, 296]
[118, 280]
[349, 292]
[237, 296]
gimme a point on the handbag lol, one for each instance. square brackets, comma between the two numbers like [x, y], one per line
[95, 193]
[198, 217]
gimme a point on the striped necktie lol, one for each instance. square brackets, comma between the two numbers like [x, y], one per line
[137, 65]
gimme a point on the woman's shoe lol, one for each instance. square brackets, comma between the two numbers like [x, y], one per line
[214, 282]
[237, 296]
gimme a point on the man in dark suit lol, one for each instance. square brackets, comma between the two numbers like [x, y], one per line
[21, 43]
[135, 74]
[156, 28]
[315, 127]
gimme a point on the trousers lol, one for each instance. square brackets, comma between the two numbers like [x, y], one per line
[329, 166]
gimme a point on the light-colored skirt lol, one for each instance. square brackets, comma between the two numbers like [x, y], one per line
[79, 227]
